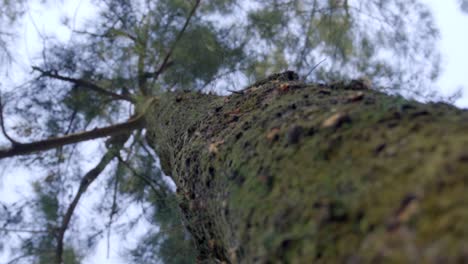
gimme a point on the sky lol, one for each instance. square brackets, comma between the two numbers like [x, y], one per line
[47, 19]
[454, 40]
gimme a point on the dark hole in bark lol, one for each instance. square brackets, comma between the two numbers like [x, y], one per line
[294, 134]
[211, 171]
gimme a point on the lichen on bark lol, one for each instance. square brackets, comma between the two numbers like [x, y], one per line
[289, 172]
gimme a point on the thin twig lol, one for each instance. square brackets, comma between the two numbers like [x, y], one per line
[113, 211]
[2, 124]
[84, 83]
[142, 177]
[109, 34]
[314, 67]
[16, 259]
[15, 230]
[70, 124]
[89, 177]
[179, 36]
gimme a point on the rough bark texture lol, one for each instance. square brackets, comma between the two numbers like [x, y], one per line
[307, 173]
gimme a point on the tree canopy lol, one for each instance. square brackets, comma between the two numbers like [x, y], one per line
[10, 12]
[134, 50]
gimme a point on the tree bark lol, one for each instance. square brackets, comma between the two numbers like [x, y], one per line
[287, 172]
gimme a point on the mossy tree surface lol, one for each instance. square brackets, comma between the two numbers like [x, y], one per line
[289, 172]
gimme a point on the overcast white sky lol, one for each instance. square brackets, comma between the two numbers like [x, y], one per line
[453, 45]
[451, 22]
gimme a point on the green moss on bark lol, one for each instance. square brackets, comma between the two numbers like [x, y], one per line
[300, 173]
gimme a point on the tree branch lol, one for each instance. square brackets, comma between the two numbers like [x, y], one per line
[111, 33]
[16, 259]
[164, 64]
[84, 83]
[84, 184]
[20, 149]
[2, 124]
[156, 74]
[113, 130]
[313, 68]
[113, 210]
[23, 230]
[141, 62]
[142, 177]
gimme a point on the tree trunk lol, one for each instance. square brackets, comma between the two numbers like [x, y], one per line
[288, 172]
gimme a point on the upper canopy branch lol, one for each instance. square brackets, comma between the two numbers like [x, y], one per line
[84, 83]
[166, 62]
